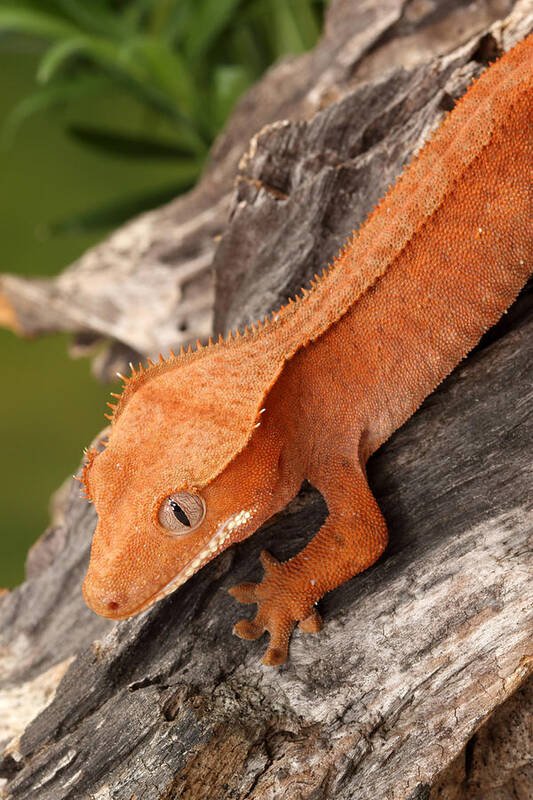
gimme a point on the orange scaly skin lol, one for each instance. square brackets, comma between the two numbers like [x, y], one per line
[317, 388]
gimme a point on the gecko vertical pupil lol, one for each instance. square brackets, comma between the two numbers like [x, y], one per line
[179, 513]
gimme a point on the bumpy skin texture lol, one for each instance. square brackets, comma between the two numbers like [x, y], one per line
[318, 387]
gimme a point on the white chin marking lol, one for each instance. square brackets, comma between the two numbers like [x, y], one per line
[215, 543]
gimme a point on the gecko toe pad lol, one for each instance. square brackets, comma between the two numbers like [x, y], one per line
[274, 614]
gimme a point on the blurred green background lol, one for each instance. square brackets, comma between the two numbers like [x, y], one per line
[107, 107]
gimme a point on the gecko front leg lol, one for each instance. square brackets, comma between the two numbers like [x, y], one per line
[352, 538]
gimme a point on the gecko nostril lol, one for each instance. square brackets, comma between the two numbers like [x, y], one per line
[112, 605]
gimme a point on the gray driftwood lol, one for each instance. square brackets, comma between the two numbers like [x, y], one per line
[417, 687]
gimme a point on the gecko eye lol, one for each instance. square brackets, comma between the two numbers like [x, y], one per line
[181, 512]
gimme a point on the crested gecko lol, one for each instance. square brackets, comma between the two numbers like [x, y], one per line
[207, 445]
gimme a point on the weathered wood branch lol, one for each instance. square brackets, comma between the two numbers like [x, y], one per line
[411, 688]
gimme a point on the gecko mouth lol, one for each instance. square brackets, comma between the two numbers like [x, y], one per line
[209, 551]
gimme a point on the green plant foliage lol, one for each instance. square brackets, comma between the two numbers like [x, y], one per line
[115, 212]
[184, 61]
[123, 145]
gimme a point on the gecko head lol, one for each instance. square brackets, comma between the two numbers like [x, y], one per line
[177, 483]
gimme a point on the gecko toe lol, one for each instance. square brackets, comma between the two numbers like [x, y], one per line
[247, 629]
[244, 592]
[278, 647]
[312, 623]
[268, 561]
[274, 656]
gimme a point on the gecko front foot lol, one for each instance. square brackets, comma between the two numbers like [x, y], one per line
[280, 608]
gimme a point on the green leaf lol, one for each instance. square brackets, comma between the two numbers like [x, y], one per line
[125, 145]
[119, 211]
[135, 12]
[208, 22]
[105, 53]
[289, 26]
[95, 17]
[289, 38]
[306, 21]
[230, 82]
[59, 94]
[178, 22]
[163, 12]
[155, 74]
[56, 56]
[150, 96]
[249, 49]
[29, 21]
[165, 70]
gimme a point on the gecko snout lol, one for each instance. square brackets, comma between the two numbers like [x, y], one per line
[102, 601]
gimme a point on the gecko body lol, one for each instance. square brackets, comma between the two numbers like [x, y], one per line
[206, 446]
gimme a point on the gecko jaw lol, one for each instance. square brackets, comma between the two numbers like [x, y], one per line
[213, 546]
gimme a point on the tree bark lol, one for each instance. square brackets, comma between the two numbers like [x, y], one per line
[417, 687]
